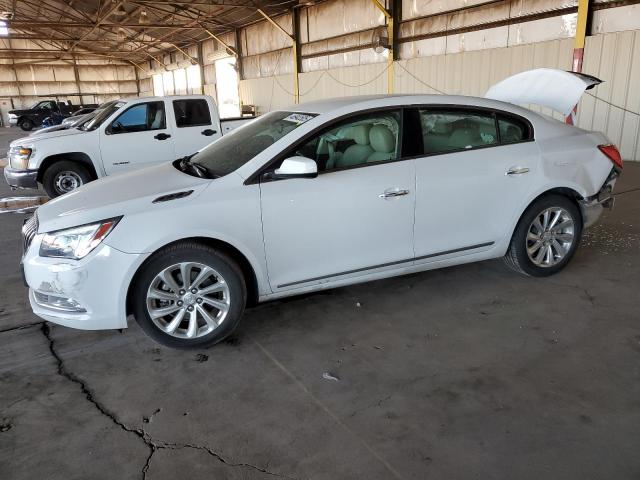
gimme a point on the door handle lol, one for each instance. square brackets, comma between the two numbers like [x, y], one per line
[517, 171]
[162, 136]
[393, 193]
[208, 132]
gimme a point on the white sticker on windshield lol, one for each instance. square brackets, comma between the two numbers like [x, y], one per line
[298, 118]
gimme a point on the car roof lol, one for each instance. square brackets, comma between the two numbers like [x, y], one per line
[372, 101]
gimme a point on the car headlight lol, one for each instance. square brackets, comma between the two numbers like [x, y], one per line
[19, 157]
[76, 243]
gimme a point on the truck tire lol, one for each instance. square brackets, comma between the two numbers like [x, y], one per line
[64, 177]
[26, 124]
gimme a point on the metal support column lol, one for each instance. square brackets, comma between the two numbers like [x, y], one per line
[578, 45]
[391, 34]
[201, 67]
[294, 42]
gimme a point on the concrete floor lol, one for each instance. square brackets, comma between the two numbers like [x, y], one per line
[467, 372]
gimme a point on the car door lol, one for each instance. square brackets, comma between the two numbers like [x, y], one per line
[476, 168]
[354, 218]
[196, 126]
[137, 137]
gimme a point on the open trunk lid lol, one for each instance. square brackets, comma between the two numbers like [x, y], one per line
[556, 89]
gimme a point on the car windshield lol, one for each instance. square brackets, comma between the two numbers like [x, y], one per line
[238, 147]
[102, 115]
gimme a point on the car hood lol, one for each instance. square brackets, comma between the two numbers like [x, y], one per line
[118, 195]
[19, 112]
[63, 132]
[43, 131]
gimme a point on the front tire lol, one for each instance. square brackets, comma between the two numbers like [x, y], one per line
[64, 177]
[26, 124]
[189, 295]
[546, 237]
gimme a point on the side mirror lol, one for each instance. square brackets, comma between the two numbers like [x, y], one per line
[297, 167]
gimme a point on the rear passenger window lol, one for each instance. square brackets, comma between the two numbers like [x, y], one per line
[445, 131]
[512, 130]
[191, 113]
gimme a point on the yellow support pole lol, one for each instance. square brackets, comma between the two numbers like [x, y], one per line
[390, 59]
[296, 84]
[578, 47]
[581, 33]
[229, 48]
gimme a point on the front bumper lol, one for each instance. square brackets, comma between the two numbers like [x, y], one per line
[21, 178]
[89, 294]
[13, 121]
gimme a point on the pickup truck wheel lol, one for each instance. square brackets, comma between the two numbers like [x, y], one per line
[189, 295]
[64, 177]
[546, 237]
[26, 124]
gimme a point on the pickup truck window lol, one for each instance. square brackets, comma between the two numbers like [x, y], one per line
[45, 105]
[191, 113]
[139, 118]
[238, 147]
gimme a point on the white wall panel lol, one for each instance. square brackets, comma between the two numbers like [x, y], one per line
[614, 58]
[267, 93]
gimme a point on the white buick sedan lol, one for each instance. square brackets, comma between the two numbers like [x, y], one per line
[319, 196]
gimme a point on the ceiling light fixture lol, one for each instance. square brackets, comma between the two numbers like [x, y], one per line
[144, 19]
[119, 11]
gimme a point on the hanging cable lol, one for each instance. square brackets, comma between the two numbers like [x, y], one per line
[419, 80]
[613, 104]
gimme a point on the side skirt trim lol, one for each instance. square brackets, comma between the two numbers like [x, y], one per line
[382, 265]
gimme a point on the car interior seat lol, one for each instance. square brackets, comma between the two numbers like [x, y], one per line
[437, 138]
[383, 142]
[358, 153]
[464, 136]
[157, 120]
[512, 134]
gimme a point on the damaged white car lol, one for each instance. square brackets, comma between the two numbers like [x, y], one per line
[318, 196]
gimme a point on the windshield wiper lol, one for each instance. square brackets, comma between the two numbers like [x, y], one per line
[201, 171]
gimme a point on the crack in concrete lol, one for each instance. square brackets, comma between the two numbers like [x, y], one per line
[21, 327]
[153, 444]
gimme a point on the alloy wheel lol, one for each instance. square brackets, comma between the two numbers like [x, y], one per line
[550, 237]
[188, 300]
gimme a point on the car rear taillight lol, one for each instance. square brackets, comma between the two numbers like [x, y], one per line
[611, 151]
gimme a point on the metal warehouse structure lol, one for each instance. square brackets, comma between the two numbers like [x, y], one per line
[289, 51]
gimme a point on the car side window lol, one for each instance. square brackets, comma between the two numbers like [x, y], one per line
[140, 118]
[191, 113]
[365, 139]
[512, 130]
[446, 131]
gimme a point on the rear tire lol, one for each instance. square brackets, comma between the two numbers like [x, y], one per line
[546, 237]
[64, 177]
[196, 313]
[26, 124]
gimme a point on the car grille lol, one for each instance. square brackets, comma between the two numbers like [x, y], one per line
[29, 230]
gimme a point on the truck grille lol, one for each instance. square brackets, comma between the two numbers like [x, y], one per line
[29, 230]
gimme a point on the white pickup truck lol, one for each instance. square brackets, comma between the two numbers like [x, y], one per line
[126, 135]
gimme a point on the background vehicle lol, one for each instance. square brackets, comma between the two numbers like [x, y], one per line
[324, 195]
[124, 135]
[74, 121]
[29, 118]
[83, 111]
